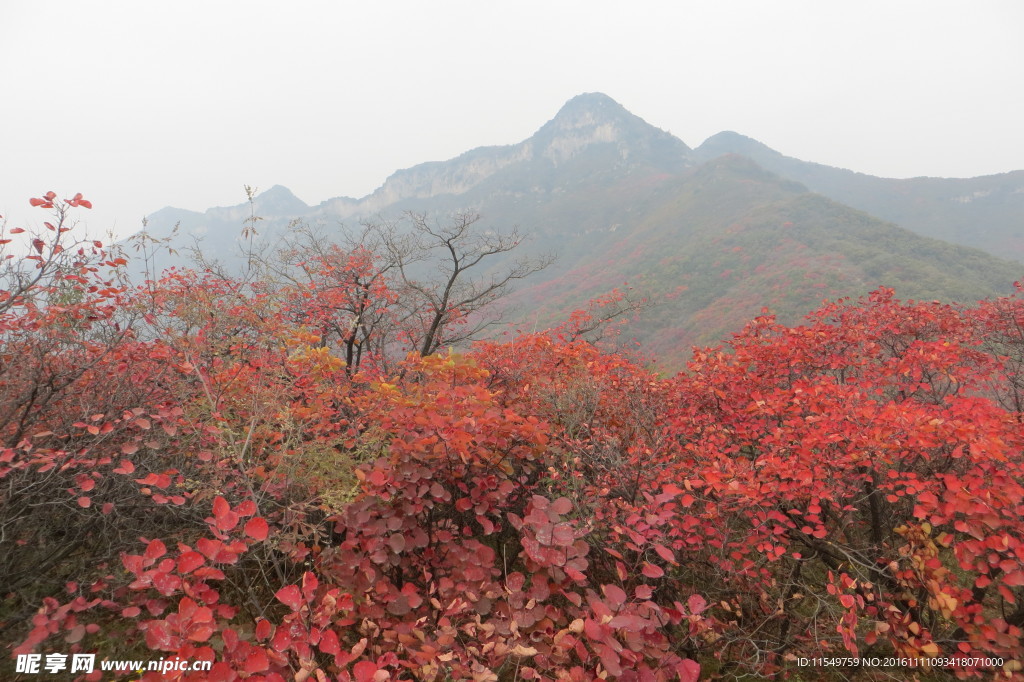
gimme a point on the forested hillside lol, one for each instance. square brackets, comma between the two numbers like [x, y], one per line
[708, 237]
[985, 212]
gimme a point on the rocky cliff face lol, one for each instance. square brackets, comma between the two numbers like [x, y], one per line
[433, 179]
[584, 122]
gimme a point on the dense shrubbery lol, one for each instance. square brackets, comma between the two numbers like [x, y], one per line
[200, 467]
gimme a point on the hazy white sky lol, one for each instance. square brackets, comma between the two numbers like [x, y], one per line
[140, 105]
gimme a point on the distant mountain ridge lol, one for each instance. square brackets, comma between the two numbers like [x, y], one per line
[713, 233]
[584, 121]
[986, 212]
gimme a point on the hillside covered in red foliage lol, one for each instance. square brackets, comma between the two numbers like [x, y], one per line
[262, 475]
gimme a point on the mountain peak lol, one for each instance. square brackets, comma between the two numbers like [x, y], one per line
[276, 191]
[279, 201]
[592, 103]
[593, 118]
[592, 109]
[729, 142]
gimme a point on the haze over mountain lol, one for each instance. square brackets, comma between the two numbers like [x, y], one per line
[711, 235]
[986, 212]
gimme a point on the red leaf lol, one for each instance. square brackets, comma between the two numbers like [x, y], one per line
[309, 585]
[256, 661]
[84, 502]
[159, 480]
[610, 659]
[563, 535]
[561, 506]
[201, 633]
[643, 591]
[1014, 579]
[126, 467]
[290, 596]
[220, 506]
[665, 553]
[190, 561]
[652, 571]
[615, 594]
[155, 549]
[158, 636]
[257, 528]
[263, 630]
[166, 583]
[222, 514]
[211, 548]
[688, 670]
[328, 642]
[282, 640]
[363, 671]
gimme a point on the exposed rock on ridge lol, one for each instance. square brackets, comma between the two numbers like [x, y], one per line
[585, 121]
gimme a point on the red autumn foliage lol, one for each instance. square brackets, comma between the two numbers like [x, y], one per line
[216, 470]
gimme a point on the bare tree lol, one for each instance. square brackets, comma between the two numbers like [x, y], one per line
[445, 309]
[415, 282]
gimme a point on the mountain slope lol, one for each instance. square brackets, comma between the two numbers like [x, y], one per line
[728, 239]
[985, 212]
[711, 235]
